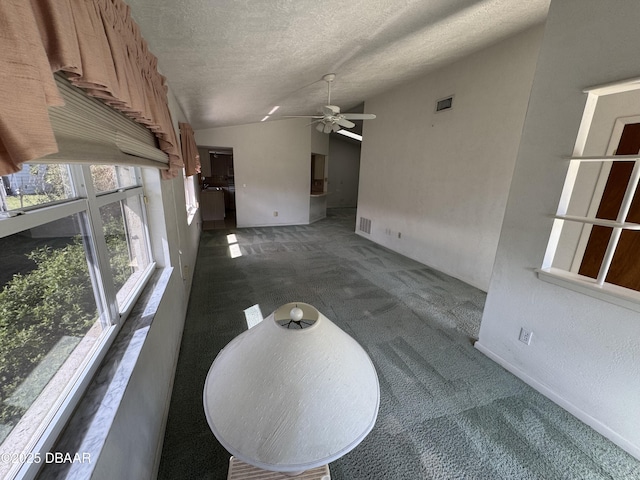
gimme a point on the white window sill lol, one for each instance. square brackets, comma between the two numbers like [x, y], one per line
[90, 424]
[620, 296]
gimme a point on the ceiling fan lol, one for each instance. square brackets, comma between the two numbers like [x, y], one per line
[331, 120]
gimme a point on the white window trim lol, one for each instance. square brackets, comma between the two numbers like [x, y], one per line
[614, 141]
[37, 216]
[607, 292]
[191, 198]
[596, 288]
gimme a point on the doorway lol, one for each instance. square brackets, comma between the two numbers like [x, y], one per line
[218, 189]
[318, 174]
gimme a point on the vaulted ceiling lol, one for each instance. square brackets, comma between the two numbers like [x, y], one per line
[229, 62]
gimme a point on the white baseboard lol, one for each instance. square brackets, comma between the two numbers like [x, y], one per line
[568, 406]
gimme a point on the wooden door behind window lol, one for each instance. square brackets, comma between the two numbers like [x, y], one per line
[625, 267]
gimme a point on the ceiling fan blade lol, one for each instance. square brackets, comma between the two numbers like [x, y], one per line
[359, 116]
[343, 122]
[303, 116]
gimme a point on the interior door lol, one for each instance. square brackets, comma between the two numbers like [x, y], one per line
[625, 267]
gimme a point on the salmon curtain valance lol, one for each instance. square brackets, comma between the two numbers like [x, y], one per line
[190, 153]
[99, 48]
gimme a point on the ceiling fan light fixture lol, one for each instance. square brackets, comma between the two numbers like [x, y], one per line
[329, 117]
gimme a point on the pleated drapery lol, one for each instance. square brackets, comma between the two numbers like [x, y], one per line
[190, 154]
[99, 48]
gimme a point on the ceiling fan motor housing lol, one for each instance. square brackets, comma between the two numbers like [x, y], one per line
[330, 110]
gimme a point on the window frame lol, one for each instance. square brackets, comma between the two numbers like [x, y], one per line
[191, 199]
[598, 288]
[87, 202]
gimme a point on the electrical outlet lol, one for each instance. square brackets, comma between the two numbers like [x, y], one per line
[275, 213]
[525, 336]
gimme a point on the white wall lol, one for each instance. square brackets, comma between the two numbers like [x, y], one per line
[344, 172]
[584, 352]
[319, 142]
[442, 180]
[317, 208]
[272, 166]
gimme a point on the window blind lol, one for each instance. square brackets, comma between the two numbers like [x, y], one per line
[90, 132]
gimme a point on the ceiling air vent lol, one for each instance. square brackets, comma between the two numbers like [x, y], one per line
[365, 225]
[444, 104]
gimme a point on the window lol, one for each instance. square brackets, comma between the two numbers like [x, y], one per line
[76, 254]
[107, 178]
[35, 185]
[596, 232]
[190, 197]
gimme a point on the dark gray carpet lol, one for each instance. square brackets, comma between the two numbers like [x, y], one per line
[446, 412]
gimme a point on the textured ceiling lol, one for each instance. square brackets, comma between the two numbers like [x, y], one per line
[229, 62]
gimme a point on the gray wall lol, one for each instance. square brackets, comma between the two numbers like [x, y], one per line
[344, 172]
[441, 180]
[584, 352]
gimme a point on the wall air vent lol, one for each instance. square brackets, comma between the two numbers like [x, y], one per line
[444, 104]
[365, 225]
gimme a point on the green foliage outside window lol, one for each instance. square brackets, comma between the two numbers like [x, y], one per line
[115, 237]
[45, 184]
[37, 309]
[53, 300]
